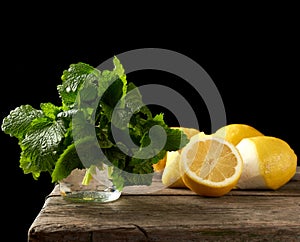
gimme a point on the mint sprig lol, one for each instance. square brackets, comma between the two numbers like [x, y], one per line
[94, 106]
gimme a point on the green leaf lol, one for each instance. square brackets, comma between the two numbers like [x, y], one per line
[29, 167]
[121, 118]
[87, 95]
[18, 122]
[107, 78]
[82, 153]
[133, 99]
[113, 93]
[176, 139]
[115, 157]
[41, 146]
[159, 119]
[118, 179]
[81, 127]
[104, 138]
[68, 161]
[50, 110]
[72, 80]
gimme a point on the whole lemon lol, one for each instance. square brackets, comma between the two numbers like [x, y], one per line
[234, 133]
[269, 163]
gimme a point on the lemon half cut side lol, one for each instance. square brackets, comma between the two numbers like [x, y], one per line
[210, 166]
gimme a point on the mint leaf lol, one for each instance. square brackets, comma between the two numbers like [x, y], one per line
[82, 153]
[176, 139]
[107, 77]
[113, 93]
[18, 122]
[72, 79]
[50, 110]
[133, 99]
[68, 161]
[41, 146]
[81, 126]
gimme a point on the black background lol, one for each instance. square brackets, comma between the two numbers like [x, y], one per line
[253, 60]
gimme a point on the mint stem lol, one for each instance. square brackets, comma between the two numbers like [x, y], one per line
[89, 175]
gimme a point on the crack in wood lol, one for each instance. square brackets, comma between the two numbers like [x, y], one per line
[141, 229]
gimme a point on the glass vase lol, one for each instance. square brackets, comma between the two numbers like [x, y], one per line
[99, 188]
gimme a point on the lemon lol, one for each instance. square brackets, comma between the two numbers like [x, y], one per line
[210, 166]
[160, 165]
[171, 176]
[269, 163]
[234, 133]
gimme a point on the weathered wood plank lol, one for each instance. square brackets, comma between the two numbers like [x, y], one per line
[174, 215]
[159, 217]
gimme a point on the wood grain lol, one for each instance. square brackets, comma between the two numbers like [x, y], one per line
[174, 215]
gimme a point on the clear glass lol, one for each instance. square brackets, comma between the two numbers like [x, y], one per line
[99, 189]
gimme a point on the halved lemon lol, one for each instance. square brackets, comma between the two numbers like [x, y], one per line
[210, 166]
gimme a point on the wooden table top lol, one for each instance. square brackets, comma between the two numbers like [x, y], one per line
[171, 214]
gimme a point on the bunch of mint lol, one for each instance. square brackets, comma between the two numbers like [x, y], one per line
[81, 133]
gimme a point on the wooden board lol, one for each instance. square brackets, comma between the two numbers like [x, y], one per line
[174, 215]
